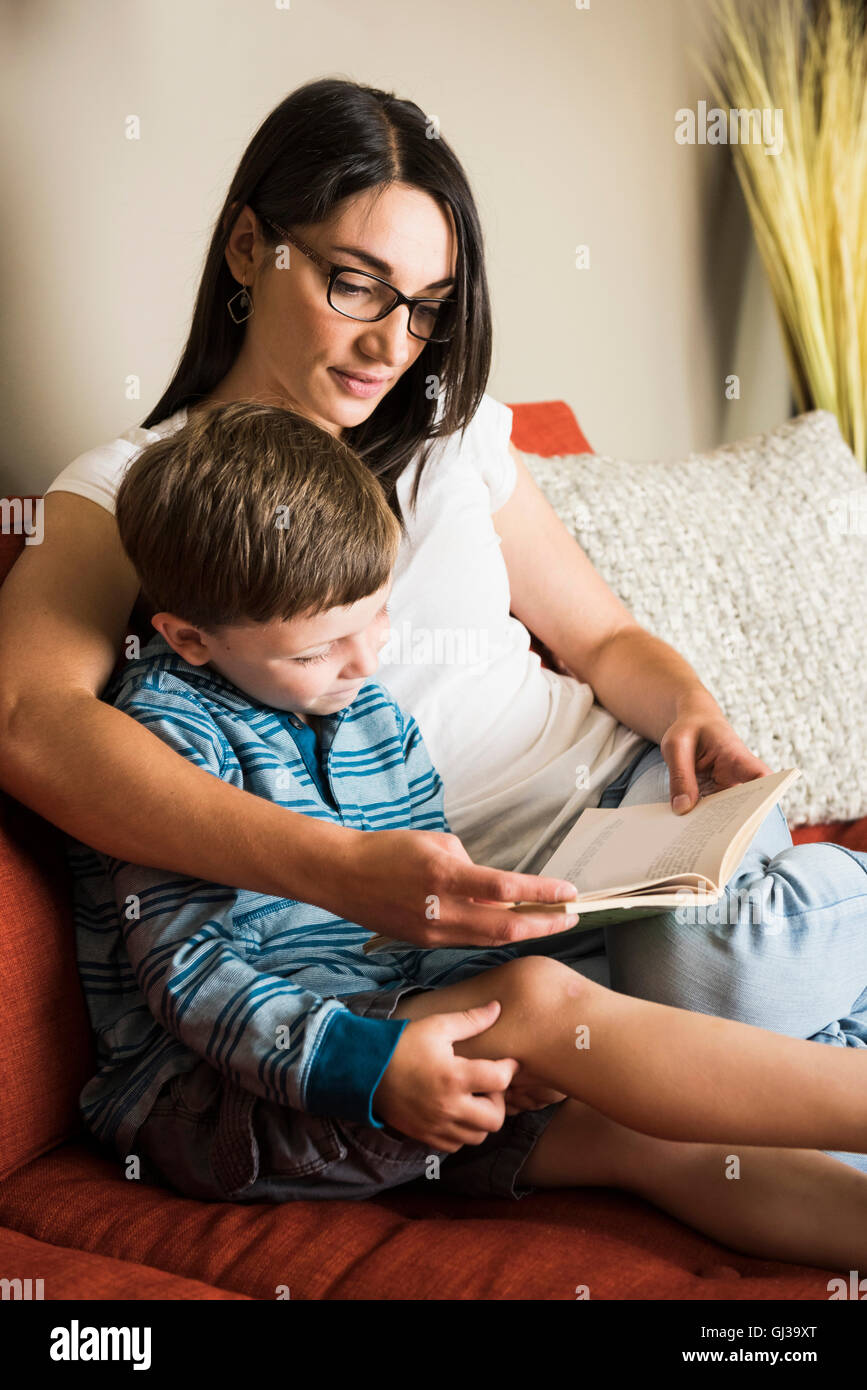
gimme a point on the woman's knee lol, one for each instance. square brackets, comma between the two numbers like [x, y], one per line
[784, 948]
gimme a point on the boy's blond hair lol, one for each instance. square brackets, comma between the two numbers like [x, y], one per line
[251, 513]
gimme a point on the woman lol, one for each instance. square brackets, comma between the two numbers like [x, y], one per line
[341, 175]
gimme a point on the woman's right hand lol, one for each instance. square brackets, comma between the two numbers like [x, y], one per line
[420, 886]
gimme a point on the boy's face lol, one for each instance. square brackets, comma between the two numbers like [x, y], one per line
[310, 665]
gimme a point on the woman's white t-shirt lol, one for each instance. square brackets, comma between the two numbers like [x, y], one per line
[522, 750]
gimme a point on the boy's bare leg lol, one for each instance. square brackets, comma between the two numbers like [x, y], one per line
[781, 1204]
[665, 1071]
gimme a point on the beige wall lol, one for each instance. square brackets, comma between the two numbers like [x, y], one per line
[564, 119]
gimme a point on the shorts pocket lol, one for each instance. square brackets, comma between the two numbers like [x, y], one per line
[195, 1093]
[387, 1145]
[251, 1138]
[209, 1138]
[293, 1144]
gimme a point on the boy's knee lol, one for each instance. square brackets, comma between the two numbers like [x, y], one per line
[537, 981]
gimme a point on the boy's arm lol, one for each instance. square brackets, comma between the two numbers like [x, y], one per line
[424, 782]
[275, 1039]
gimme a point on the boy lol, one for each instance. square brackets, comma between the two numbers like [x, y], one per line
[248, 1049]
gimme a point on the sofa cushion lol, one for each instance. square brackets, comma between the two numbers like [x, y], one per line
[411, 1244]
[749, 561]
[75, 1274]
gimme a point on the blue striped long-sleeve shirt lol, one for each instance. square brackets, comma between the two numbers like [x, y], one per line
[176, 969]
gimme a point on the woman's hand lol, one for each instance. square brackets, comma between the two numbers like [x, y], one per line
[422, 886]
[704, 754]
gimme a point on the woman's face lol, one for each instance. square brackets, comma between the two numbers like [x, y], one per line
[294, 340]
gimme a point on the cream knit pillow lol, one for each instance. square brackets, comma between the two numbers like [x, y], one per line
[750, 560]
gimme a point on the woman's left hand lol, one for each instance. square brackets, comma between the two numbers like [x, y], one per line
[704, 754]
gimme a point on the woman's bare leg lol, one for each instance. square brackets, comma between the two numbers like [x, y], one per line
[780, 1204]
[665, 1071]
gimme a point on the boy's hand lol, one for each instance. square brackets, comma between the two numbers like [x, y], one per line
[529, 1093]
[429, 1094]
[421, 886]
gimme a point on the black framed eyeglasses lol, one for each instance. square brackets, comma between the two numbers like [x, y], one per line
[359, 295]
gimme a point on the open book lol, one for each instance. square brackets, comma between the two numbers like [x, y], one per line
[638, 861]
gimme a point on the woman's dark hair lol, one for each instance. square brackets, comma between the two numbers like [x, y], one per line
[328, 140]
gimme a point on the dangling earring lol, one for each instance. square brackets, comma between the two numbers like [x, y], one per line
[244, 300]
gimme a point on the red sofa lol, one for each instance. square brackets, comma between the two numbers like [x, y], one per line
[69, 1216]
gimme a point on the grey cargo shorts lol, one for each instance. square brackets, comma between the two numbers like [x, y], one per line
[208, 1138]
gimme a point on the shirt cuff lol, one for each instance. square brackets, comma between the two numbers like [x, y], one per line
[349, 1065]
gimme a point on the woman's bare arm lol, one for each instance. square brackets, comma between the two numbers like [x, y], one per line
[641, 679]
[97, 773]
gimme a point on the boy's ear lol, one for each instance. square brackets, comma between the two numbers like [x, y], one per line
[182, 638]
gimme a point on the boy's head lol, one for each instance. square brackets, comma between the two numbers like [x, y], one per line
[266, 548]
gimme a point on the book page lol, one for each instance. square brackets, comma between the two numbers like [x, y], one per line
[614, 850]
[730, 818]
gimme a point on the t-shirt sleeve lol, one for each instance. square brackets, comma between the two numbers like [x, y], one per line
[98, 473]
[490, 431]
